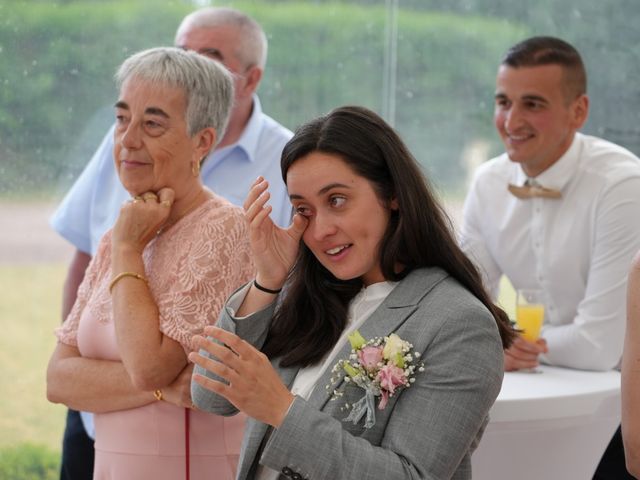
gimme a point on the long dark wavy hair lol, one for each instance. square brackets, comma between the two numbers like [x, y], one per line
[313, 313]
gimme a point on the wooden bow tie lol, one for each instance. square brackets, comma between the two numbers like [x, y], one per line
[530, 191]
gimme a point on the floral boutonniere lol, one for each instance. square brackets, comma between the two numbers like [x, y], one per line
[380, 366]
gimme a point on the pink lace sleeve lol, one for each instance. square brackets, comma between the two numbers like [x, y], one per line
[68, 331]
[213, 260]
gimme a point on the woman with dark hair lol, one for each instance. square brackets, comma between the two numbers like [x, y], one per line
[366, 347]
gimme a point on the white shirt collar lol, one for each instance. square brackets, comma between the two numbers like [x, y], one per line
[561, 172]
[248, 141]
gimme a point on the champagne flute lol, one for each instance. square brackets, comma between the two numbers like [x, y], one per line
[530, 316]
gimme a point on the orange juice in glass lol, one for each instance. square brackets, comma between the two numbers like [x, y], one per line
[529, 313]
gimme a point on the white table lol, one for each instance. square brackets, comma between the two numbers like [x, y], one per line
[547, 426]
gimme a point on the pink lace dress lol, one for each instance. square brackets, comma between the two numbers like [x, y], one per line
[192, 268]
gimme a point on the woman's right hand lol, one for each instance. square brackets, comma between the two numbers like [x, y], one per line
[140, 218]
[274, 248]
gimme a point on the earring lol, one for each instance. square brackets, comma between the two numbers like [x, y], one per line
[195, 168]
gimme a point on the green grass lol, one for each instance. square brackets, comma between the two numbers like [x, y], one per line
[29, 462]
[30, 302]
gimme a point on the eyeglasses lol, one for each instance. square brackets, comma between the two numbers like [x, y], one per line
[215, 54]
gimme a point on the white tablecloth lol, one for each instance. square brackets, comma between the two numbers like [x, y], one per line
[551, 425]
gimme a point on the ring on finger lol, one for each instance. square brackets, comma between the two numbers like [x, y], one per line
[165, 203]
[149, 196]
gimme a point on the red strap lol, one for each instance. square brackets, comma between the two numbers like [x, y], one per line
[186, 442]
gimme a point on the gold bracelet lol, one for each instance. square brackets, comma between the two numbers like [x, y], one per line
[120, 276]
[158, 394]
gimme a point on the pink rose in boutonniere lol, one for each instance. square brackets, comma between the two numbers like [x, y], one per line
[370, 357]
[390, 377]
[380, 367]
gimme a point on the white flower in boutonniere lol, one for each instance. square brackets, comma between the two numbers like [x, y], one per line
[380, 366]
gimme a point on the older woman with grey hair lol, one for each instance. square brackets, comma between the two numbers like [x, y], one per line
[162, 273]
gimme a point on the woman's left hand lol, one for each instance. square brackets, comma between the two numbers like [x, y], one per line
[254, 386]
[141, 218]
[179, 391]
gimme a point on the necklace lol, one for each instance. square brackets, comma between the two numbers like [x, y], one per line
[190, 208]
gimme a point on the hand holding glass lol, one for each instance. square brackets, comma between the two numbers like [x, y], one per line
[529, 313]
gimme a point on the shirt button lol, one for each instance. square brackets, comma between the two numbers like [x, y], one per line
[287, 471]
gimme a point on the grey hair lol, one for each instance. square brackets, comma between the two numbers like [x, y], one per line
[252, 46]
[207, 85]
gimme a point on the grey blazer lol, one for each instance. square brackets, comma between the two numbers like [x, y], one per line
[427, 431]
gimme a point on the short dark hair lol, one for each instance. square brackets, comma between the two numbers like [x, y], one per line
[313, 313]
[537, 51]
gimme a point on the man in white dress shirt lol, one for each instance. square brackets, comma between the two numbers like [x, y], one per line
[559, 211]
